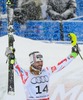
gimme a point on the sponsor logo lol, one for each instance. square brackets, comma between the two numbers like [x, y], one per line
[39, 79]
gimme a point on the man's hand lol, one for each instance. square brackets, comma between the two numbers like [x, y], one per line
[10, 54]
[56, 17]
[76, 49]
[9, 51]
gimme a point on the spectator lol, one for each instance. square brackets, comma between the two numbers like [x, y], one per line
[61, 9]
[29, 10]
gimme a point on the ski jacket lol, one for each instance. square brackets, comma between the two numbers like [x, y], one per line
[36, 86]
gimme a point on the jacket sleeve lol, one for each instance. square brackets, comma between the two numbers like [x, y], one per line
[70, 10]
[63, 63]
[21, 72]
[50, 10]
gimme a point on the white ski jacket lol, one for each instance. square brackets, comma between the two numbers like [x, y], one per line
[36, 86]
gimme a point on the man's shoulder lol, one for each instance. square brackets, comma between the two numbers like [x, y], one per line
[45, 69]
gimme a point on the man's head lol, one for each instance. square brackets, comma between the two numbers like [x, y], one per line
[36, 61]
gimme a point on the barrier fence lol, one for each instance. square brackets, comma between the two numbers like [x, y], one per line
[46, 30]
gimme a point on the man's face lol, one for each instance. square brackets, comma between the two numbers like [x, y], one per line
[38, 65]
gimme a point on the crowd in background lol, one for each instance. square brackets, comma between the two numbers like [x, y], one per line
[44, 10]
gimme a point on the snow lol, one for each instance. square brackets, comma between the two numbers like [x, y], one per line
[64, 85]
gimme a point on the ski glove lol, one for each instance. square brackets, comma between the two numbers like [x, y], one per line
[76, 49]
[9, 51]
[10, 54]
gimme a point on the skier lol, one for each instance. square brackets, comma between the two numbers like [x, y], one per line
[61, 9]
[36, 79]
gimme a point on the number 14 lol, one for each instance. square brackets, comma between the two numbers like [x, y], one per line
[39, 90]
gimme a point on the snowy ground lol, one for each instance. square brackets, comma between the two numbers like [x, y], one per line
[64, 85]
